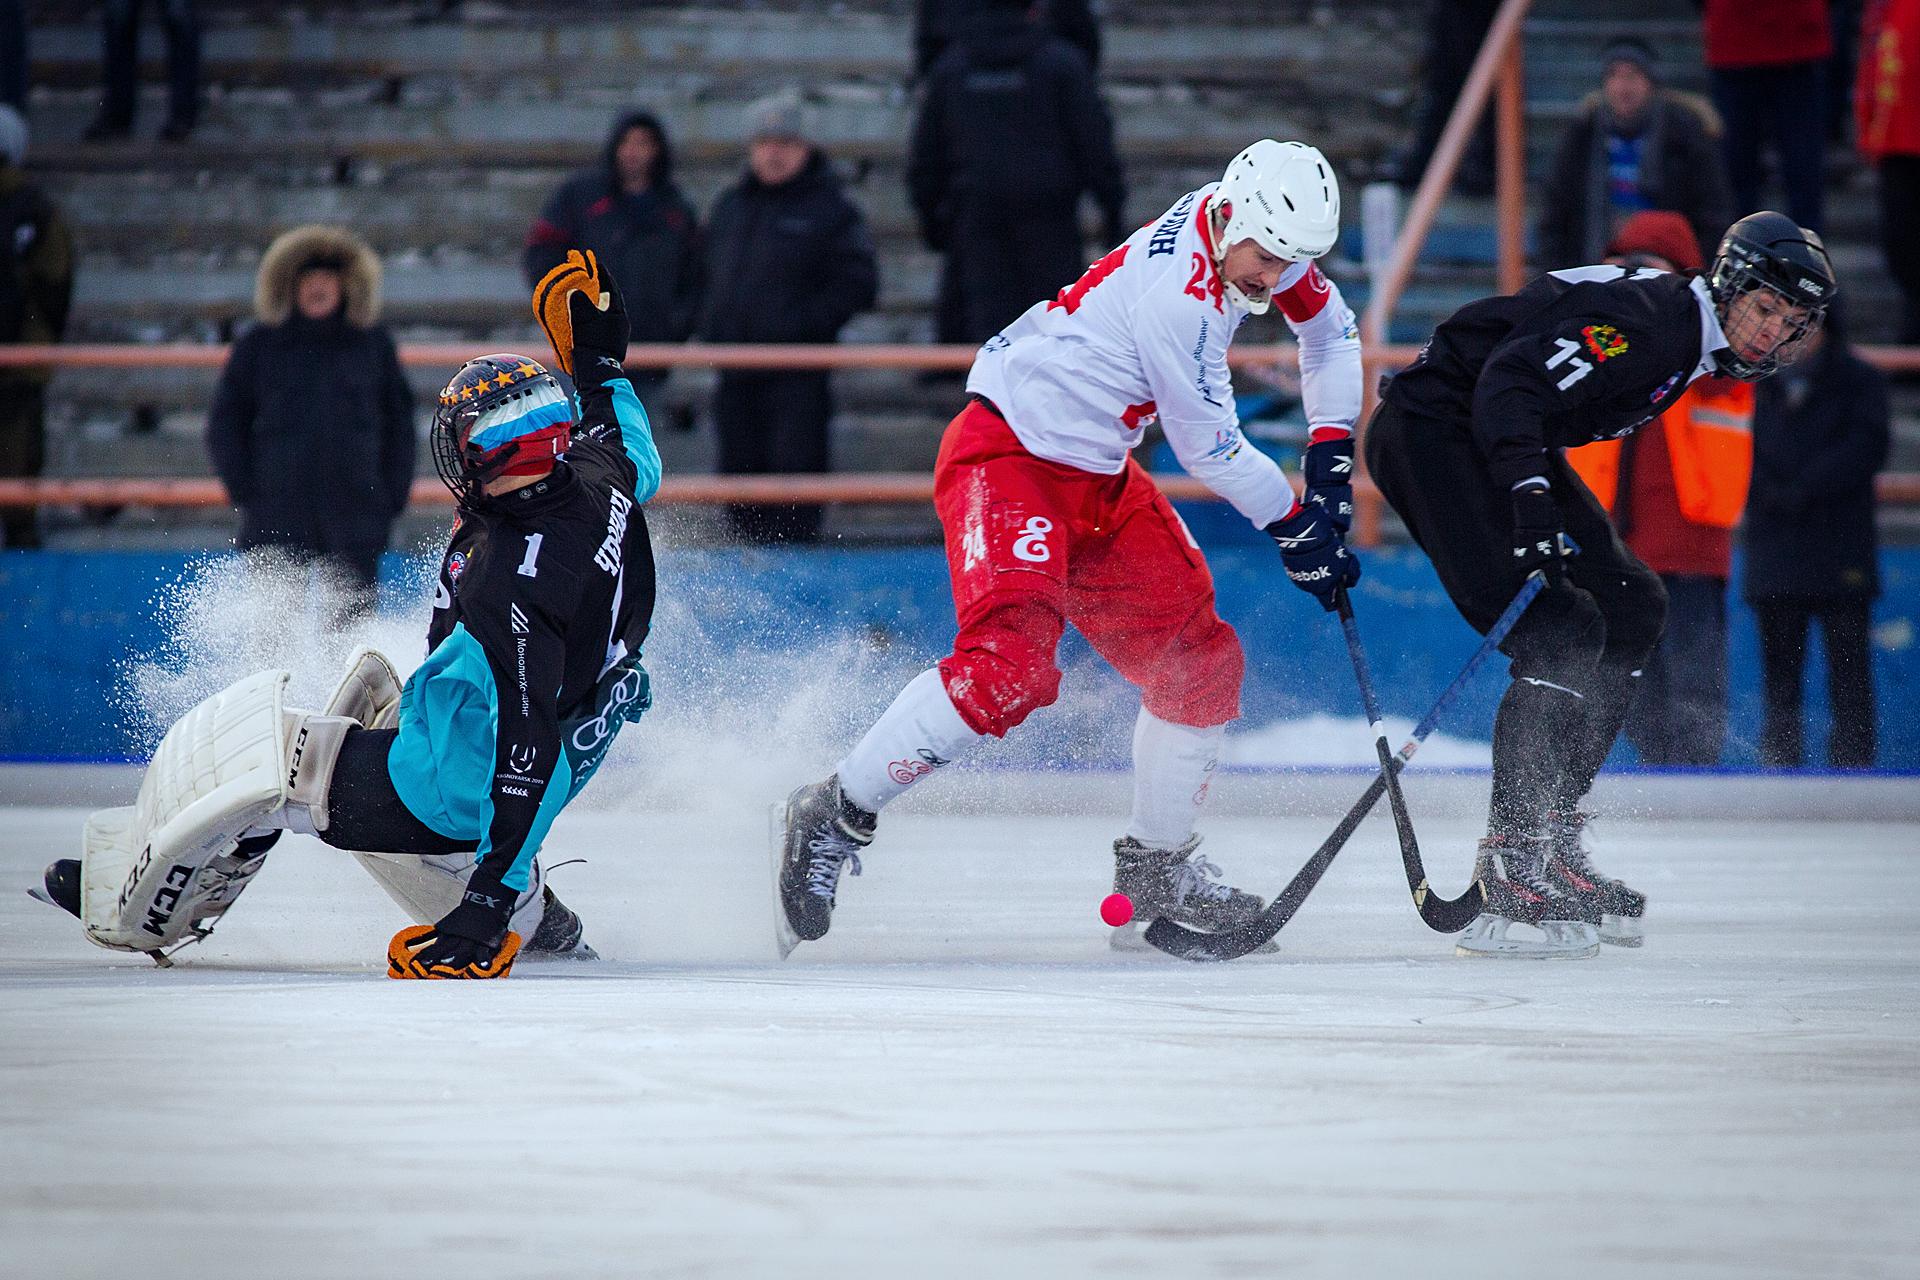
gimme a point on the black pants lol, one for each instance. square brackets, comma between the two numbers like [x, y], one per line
[1576, 651]
[774, 424]
[13, 54]
[366, 813]
[1787, 106]
[1680, 713]
[1455, 30]
[23, 453]
[1009, 257]
[1899, 215]
[121, 33]
[1845, 624]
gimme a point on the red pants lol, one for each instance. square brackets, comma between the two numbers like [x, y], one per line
[1033, 545]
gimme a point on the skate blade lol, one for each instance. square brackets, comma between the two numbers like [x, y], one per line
[1131, 938]
[1486, 938]
[783, 935]
[1621, 931]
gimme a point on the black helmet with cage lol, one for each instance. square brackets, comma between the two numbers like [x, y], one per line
[1770, 251]
[501, 415]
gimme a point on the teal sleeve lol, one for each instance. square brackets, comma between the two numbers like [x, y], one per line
[636, 435]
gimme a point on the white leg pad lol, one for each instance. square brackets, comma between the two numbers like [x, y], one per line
[369, 692]
[220, 770]
[427, 888]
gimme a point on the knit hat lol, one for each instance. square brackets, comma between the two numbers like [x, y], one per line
[1660, 232]
[781, 116]
[1634, 50]
[13, 136]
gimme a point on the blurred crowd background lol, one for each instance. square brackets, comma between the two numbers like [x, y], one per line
[322, 183]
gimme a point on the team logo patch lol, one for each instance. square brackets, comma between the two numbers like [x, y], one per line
[1604, 341]
[1663, 388]
[456, 565]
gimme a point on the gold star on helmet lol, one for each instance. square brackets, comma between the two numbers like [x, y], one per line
[466, 393]
[527, 371]
[504, 381]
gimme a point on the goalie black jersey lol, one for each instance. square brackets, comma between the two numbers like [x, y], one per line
[542, 605]
[1581, 355]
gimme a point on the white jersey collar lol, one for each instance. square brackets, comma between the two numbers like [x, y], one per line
[1712, 337]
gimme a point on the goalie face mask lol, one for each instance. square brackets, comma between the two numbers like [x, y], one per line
[501, 415]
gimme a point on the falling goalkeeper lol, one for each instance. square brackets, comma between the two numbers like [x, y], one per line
[443, 788]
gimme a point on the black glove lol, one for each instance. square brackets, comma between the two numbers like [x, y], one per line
[1538, 541]
[1316, 559]
[1328, 471]
[599, 337]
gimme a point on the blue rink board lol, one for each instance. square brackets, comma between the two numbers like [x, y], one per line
[72, 620]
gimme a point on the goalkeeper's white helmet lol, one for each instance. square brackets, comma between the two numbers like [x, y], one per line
[1282, 196]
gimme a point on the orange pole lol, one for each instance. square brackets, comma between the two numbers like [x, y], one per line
[1510, 174]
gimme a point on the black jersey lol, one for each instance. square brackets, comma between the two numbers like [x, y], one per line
[544, 598]
[1581, 355]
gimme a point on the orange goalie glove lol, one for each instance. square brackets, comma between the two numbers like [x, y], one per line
[580, 273]
[422, 951]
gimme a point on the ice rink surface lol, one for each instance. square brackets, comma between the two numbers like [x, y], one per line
[962, 1079]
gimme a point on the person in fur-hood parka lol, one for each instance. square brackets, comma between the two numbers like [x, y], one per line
[312, 428]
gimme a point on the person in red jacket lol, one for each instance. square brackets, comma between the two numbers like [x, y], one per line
[1887, 109]
[1675, 490]
[1767, 63]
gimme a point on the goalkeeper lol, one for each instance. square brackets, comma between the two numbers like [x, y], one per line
[444, 788]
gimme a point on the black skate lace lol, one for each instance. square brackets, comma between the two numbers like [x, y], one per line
[831, 851]
[1197, 877]
[1570, 846]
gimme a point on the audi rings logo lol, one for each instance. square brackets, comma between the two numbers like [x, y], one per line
[592, 734]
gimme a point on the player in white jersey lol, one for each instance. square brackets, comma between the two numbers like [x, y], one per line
[1050, 521]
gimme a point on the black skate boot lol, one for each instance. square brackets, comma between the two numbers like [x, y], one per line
[62, 886]
[559, 933]
[820, 832]
[1512, 871]
[1180, 885]
[1620, 909]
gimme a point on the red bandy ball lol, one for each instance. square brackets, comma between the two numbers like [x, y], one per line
[1116, 909]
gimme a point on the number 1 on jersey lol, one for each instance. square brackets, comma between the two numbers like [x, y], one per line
[528, 568]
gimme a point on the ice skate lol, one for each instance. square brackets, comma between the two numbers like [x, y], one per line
[1180, 885]
[560, 935]
[60, 887]
[820, 833]
[1519, 891]
[1621, 909]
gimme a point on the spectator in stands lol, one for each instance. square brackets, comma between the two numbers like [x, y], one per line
[937, 23]
[1675, 489]
[311, 428]
[13, 54]
[36, 289]
[935, 26]
[1820, 432]
[1455, 31]
[1888, 114]
[628, 210]
[1633, 146]
[1011, 131]
[1767, 62]
[120, 34]
[789, 259]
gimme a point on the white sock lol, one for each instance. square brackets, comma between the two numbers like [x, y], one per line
[1172, 769]
[916, 735]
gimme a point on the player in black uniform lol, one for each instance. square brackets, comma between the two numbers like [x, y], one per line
[1466, 447]
[542, 604]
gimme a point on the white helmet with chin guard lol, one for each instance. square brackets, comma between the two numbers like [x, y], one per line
[1282, 196]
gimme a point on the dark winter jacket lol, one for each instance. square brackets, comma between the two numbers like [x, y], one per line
[791, 263]
[649, 242]
[1820, 432]
[1680, 169]
[1011, 115]
[36, 269]
[937, 24]
[311, 428]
